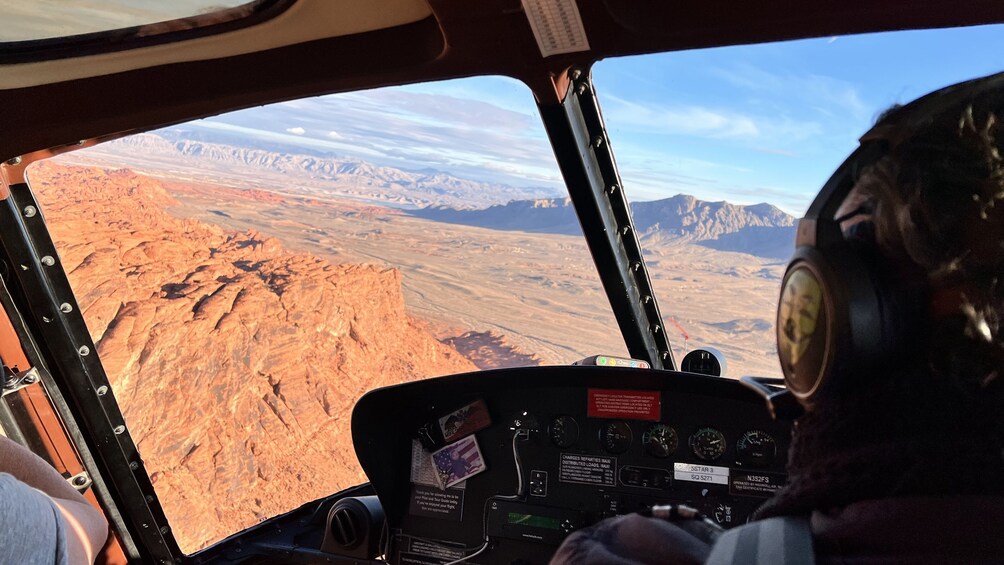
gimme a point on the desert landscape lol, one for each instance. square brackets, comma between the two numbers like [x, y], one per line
[243, 300]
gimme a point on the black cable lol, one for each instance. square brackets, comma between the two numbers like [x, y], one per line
[524, 435]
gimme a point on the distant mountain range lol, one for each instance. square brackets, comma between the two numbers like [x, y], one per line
[317, 174]
[759, 229]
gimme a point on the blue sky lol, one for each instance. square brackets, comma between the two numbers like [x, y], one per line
[762, 123]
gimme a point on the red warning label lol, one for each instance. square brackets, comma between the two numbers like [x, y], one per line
[624, 404]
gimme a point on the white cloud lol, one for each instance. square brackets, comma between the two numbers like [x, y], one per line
[679, 119]
[710, 123]
[829, 95]
[296, 131]
[334, 135]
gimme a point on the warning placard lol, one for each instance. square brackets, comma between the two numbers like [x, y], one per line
[625, 404]
[587, 469]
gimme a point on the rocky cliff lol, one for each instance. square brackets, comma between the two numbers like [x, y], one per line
[235, 362]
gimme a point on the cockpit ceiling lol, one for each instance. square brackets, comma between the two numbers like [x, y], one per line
[302, 21]
[317, 47]
[621, 27]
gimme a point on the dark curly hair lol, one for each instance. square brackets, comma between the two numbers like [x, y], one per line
[936, 201]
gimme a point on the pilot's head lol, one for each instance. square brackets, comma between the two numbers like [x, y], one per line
[922, 211]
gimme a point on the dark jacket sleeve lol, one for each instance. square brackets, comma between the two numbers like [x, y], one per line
[635, 540]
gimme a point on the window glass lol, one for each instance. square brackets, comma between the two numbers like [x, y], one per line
[721, 150]
[48, 19]
[247, 277]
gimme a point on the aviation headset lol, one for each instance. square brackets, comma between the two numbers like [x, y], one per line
[842, 313]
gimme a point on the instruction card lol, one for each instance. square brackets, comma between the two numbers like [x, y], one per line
[556, 25]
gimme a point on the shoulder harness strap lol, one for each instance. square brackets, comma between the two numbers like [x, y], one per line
[785, 540]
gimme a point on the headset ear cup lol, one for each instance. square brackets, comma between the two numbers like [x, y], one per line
[805, 320]
[832, 323]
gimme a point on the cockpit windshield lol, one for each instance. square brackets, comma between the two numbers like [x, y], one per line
[721, 151]
[248, 276]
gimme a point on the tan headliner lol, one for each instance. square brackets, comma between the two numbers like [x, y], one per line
[305, 20]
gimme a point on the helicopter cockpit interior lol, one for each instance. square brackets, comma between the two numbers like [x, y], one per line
[299, 281]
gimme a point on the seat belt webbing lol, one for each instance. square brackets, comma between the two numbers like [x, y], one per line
[784, 540]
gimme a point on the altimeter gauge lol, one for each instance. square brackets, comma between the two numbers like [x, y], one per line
[708, 444]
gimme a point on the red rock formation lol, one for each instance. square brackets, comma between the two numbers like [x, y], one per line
[235, 362]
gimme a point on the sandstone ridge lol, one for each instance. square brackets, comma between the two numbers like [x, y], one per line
[235, 362]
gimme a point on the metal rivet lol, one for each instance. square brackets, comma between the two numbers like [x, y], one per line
[598, 141]
[646, 299]
[164, 530]
[625, 230]
[46, 319]
[665, 355]
[133, 465]
[30, 211]
[612, 189]
[149, 498]
[146, 525]
[636, 266]
[24, 267]
[65, 308]
[102, 390]
[14, 161]
[80, 481]
[581, 89]
[576, 73]
[48, 261]
[84, 351]
[119, 430]
[656, 328]
[31, 379]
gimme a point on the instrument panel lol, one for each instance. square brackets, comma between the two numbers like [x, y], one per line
[503, 465]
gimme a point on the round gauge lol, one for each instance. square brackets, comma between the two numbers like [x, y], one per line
[616, 437]
[707, 444]
[756, 449]
[707, 361]
[660, 440]
[564, 431]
